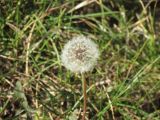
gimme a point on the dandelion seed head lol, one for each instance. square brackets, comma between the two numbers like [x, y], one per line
[80, 54]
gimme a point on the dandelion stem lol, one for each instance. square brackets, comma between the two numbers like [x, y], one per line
[84, 96]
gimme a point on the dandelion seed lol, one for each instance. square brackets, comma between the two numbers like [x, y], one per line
[80, 54]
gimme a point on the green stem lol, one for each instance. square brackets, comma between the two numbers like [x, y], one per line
[84, 96]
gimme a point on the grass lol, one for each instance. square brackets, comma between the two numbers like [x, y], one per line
[125, 84]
